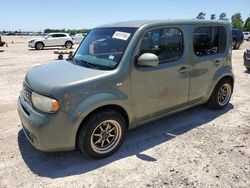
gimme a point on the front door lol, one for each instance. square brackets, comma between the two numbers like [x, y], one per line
[155, 90]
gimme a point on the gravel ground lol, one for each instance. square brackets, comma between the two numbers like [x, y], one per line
[195, 148]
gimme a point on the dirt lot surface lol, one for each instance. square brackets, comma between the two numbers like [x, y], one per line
[195, 148]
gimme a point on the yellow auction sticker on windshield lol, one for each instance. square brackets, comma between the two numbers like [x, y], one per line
[121, 35]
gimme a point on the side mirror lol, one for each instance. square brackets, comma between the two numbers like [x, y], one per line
[46, 37]
[148, 60]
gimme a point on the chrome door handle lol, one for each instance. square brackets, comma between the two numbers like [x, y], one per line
[183, 70]
[217, 62]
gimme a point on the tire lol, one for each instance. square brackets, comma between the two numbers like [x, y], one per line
[60, 56]
[248, 69]
[221, 95]
[234, 45]
[68, 44]
[39, 46]
[93, 139]
[237, 45]
[248, 39]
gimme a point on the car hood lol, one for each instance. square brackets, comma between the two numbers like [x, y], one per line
[43, 79]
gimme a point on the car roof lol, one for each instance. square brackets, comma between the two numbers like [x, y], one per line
[236, 29]
[58, 33]
[140, 23]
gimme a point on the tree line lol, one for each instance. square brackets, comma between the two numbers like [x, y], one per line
[70, 31]
[236, 20]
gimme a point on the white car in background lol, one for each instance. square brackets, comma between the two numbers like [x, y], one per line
[246, 35]
[79, 37]
[51, 40]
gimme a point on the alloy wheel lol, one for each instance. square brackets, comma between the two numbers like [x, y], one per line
[224, 94]
[106, 136]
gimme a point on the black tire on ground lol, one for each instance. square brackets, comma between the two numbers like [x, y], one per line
[248, 69]
[237, 45]
[68, 44]
[234, 44]
[221, 95]
[102, 134]
[39, 46]
[60, 56]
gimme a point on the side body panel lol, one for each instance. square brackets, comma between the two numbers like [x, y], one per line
[207, 70]
[154, 90]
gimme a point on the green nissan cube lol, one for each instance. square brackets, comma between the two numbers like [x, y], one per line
[123, 75]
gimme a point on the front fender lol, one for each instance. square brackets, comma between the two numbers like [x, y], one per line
[97, 100]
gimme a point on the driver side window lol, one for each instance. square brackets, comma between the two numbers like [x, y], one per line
[166, 43]
[51, 36]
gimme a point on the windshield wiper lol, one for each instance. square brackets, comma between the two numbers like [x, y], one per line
[79, 62]
[92, 65]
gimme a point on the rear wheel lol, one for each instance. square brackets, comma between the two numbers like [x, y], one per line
[234, 44]
[39, 46]
[237, 45]
[221, 94]
[102, 134]
[68, 44]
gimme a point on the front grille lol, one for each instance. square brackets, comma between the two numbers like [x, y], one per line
[27, 91]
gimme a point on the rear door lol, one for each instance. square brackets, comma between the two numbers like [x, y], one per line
[61, 39]
[209, 53]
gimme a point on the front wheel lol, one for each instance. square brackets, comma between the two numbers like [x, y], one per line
[39, 46]
[102, 134]
[221, 95]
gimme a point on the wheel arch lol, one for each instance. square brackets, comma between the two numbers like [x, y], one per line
[68, 41]
[229, 76]
[115, 107]
[39, 42]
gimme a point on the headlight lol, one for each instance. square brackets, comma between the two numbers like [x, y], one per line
[31, 41]
[44, 104]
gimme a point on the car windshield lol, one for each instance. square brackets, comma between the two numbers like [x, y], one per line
[104, 47]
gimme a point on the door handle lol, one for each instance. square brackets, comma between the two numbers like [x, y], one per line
[217, 62]
[183, 70]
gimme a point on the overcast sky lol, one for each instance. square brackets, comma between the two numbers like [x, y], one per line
[38, 15]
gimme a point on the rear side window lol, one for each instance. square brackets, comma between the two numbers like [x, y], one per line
[209, 40]
[167, 44]
[60, 35]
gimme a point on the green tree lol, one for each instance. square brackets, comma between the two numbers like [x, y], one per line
[70, 31]
[237, 21]
[223, 16]
[213, 17]
[247, 24]
[201, 16]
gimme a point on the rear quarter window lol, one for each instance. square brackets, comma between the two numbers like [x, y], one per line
[61, 35]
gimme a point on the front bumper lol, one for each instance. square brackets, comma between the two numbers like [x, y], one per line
[31, 45]
[46, 132]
